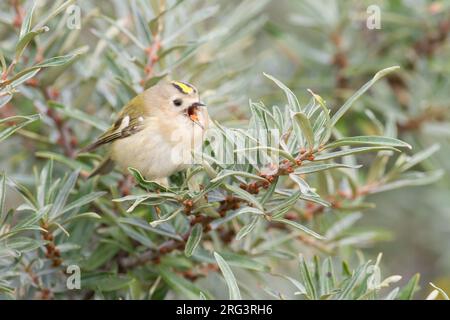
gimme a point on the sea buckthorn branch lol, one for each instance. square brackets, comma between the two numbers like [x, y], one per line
[52, 252]
[286, 167]
[153, 50]
[229, 203]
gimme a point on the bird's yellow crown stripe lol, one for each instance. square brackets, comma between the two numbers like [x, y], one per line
[183, 87]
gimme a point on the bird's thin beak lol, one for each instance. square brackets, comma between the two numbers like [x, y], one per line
[198, 104]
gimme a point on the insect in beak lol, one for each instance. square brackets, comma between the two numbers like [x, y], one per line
[191, 112]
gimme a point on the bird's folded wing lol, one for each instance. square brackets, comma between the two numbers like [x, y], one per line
[128, 123]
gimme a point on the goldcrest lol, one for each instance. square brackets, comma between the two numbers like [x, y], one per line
[156, 131]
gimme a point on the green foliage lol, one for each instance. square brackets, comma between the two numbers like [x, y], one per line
[331, 50]
[280, 177]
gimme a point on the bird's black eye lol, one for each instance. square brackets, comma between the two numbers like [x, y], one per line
[178, 102]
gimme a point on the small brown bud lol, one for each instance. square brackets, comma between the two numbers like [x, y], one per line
[56, 262]
[33, 82]
[163, 250]
[53, 93]
[73, 141]
[157, 260]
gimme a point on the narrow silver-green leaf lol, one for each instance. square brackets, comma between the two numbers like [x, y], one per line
[368, 140]
[300, 287]
[125, 31]
[247, 228]
[343, 224]
[3, 212]
[165, 219]
[6, 98]
[393, 294]
[326, 112]
[307, 279]
[63, 193]
[193, 240]
[71, 163]
[60, 60]
[26, 24]
[10, 130]
[346, 152]
[138, 235]
[442, 292]
[281, 152]
[234, 292]
[44, 183]
[420, 156]
[321, 167]
[329, 282]
[24, 77]
[411, 179]
[233, 259]
[80, 115]
[352, 282]
[304, 124]
[2, 62]
[303, 185]
[407, 292]
[286, 204]
[228, 173]
[300, 227]
[51, 62]
[25, 40]
[292, 99]
[342, 110]
[54, 13]
[84, 215]
[81, 201]
[180, 284]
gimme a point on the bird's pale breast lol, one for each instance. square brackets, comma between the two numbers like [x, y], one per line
[161, 149]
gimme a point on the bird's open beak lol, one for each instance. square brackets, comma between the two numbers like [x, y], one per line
[199, 104]
[192, 110]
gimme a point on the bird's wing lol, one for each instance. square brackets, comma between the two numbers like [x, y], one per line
[129, 121]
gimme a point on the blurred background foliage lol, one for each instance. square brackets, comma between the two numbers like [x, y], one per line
[326, 46]
[61, 85]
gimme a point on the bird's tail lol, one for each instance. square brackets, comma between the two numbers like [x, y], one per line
[104, 167]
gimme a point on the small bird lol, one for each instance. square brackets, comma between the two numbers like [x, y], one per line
[155, 132]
